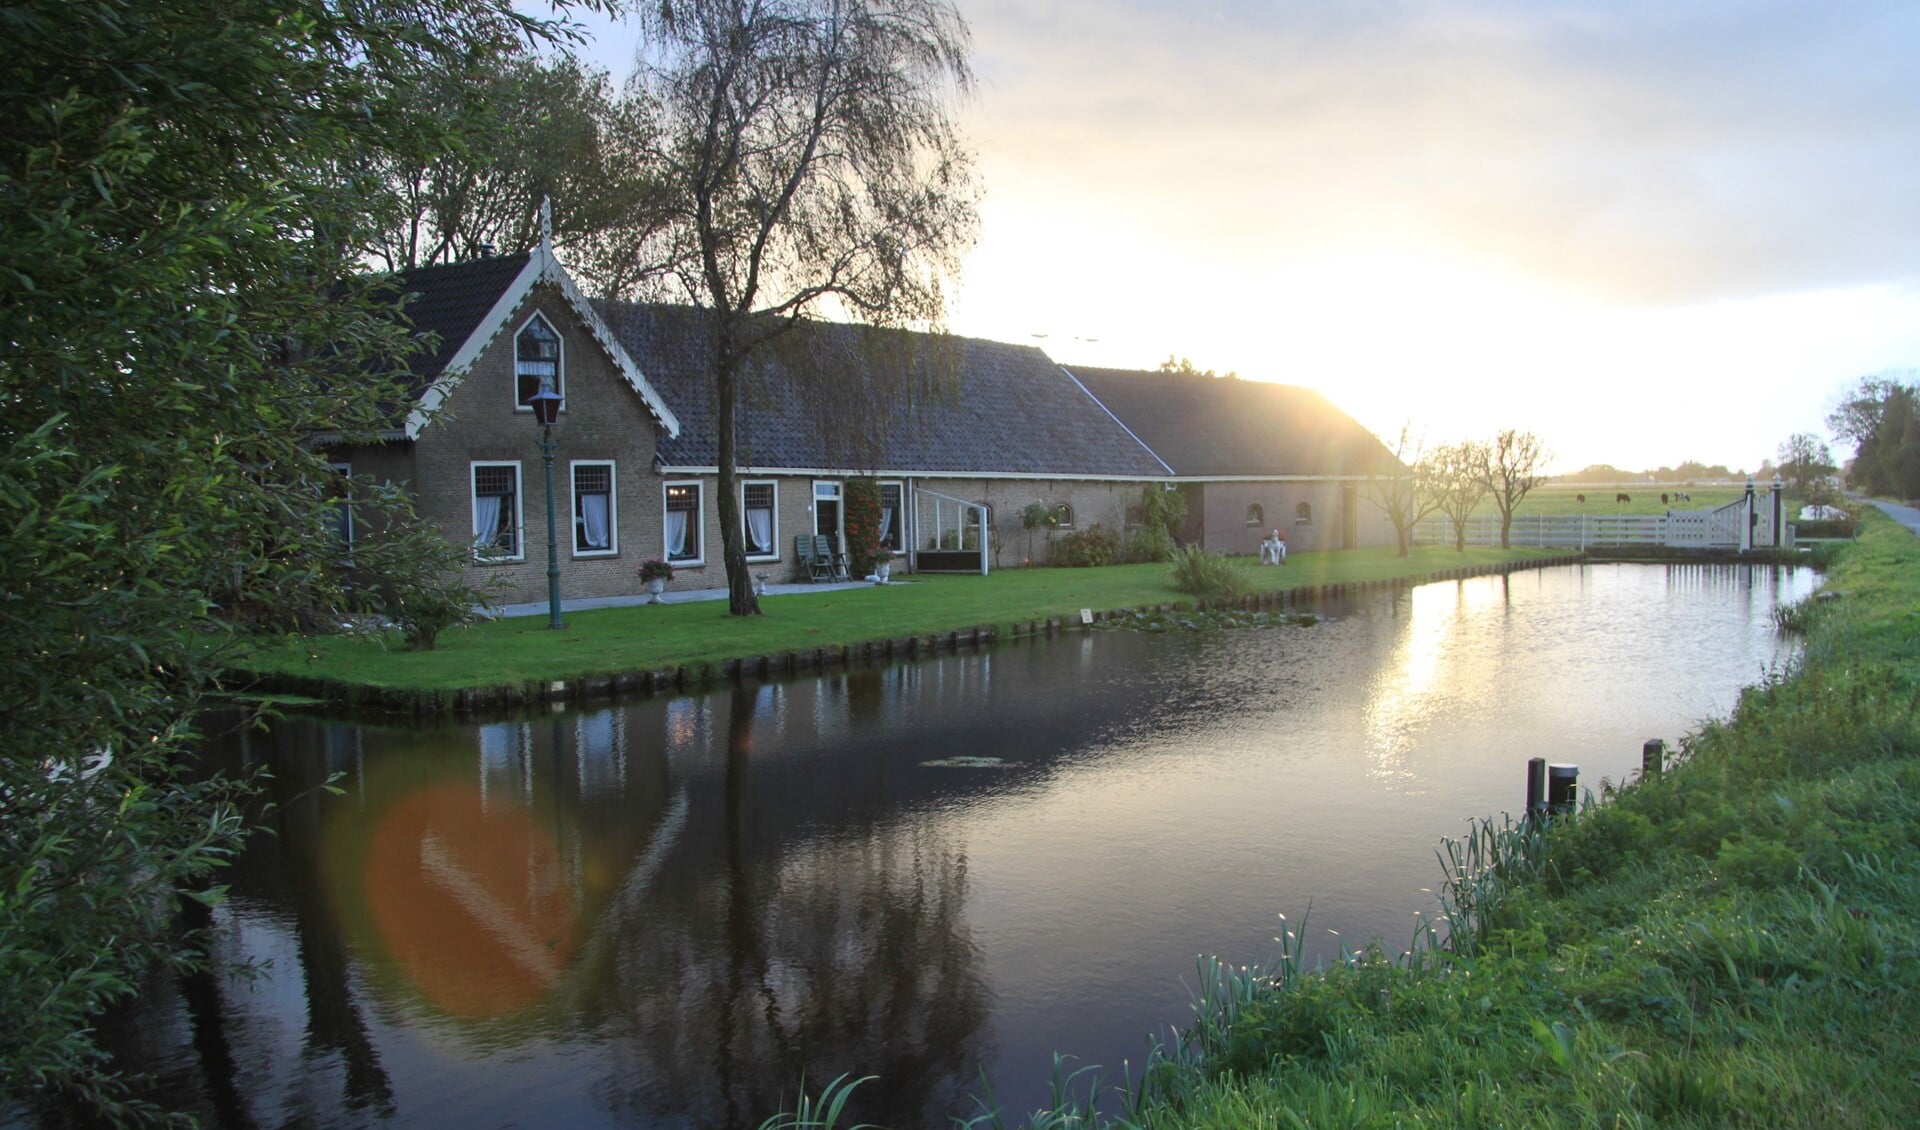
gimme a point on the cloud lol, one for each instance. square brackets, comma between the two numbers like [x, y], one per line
[1649, 153]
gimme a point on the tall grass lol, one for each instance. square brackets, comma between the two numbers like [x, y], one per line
[1213, 578]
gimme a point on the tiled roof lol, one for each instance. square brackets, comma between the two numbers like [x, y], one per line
[1212, 427]
[1001, 409]
[450, 301]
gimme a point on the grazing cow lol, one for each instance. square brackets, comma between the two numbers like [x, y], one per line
[1581, 499]
[1663, 498]
[1619, 498]
[1682, 496]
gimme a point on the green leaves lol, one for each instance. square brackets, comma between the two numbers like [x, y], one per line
[172, 222]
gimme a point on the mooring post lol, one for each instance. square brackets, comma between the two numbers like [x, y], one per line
[1536, 787]
[1563, 785]
[1653, 757]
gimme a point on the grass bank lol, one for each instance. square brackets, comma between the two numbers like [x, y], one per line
[1733, 942]
[521, 651]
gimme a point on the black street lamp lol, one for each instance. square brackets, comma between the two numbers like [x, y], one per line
[546, 410]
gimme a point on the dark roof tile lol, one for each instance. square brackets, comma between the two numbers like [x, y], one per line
[811, 399]
[449, 302]
[1218, 427]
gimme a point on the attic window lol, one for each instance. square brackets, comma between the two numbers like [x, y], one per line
[536, 361]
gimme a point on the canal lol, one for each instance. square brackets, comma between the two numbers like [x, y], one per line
[665, 913]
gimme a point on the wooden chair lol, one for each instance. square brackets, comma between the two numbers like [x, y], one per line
[816, 565]
[836, 559]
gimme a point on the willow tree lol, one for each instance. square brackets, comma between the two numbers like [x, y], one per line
[809, 166]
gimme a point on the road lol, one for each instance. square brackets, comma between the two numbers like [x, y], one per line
[1905, 515]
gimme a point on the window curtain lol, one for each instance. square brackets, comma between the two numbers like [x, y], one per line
[886, 525]
[676, 533]
[760, 530]
[486, 520]
[593, 520]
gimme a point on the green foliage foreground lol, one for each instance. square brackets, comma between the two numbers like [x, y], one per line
[182, 188]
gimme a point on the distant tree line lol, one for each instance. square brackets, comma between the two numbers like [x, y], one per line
[1687, 472]
[1880, 416]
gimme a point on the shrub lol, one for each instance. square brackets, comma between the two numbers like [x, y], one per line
[1148, 543]
[1212, 577]
[1825, 528]
[1093, 546]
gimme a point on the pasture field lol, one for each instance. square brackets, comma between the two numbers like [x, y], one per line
[1601, 500]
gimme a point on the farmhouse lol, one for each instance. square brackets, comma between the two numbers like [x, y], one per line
[982, 432]
[1254, 457]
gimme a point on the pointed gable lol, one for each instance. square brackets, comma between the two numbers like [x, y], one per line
[460, 308]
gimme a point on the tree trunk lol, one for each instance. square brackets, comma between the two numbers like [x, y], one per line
[733, 549]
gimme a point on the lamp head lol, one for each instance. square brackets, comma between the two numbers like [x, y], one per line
[546, 405]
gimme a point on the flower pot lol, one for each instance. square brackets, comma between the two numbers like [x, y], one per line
[882, 570]
[656, 587]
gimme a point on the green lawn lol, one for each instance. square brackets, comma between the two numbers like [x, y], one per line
[517, 651]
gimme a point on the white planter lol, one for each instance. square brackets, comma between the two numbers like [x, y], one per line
[882, 570]
[656, 587]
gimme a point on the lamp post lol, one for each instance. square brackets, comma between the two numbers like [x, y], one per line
[546, 409]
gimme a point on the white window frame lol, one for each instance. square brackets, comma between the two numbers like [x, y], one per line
[836, 492]
[613, 506]
[1303, 514]
[559, 364]
[901, 542]
[773, 486]
[345, 502]
[519, 512]
[699, 518]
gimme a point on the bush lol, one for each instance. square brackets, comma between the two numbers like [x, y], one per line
[1096, 545]
[1148, 543]
[1212, 577]
[1829, 528]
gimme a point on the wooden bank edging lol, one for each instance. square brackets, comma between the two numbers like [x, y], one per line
[700, 676]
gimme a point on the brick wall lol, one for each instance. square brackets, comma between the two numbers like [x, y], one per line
[603, 419]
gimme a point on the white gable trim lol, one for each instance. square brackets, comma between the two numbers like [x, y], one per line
[603, 333]
[542, 266]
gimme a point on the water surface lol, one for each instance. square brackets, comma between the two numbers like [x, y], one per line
[663, 913]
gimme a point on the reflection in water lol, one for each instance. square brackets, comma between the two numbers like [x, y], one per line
[667, 913]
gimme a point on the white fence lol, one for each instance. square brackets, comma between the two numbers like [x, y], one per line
[1744, 523]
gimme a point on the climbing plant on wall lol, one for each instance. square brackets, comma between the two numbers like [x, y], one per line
[863, 524]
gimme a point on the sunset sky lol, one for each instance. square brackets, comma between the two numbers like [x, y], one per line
[1647, 230]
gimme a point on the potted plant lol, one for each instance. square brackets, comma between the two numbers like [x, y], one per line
[656, 573]
[882, 561]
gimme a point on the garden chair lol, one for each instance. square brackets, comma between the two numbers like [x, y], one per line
[836, 559]
[816, 566]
